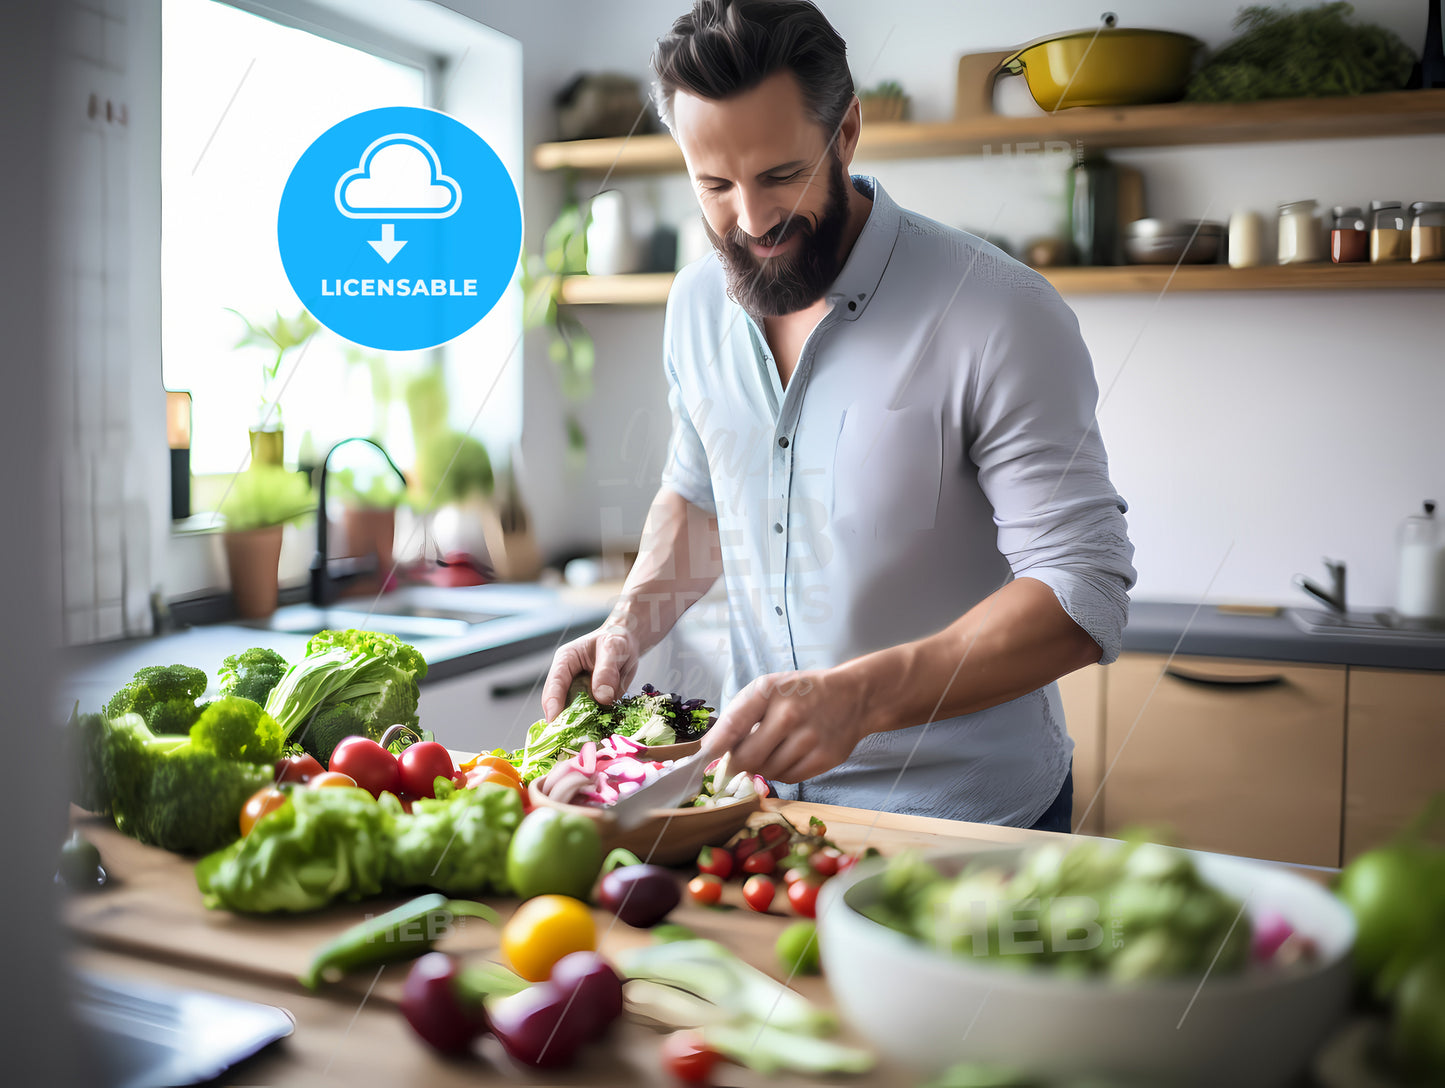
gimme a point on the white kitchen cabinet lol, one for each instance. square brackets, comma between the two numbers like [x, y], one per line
[489, 708]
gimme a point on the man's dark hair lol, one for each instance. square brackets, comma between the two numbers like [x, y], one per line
[725, 47]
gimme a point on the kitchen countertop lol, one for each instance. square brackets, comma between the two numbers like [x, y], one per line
[552, 615]
[547, 617]
[1203, 630]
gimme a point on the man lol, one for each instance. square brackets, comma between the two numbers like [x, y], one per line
[893, 424]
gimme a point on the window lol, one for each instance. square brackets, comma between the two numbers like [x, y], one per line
[242, 97]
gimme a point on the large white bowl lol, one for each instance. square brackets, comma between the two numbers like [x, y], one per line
[930, 1010]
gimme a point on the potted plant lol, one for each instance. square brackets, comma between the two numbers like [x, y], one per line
[260, 502]
[883, 103]
[281, 336]
[368, 518]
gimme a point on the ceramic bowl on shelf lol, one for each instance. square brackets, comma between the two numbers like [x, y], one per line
[667, 836]
[1173, 241]
[1255, 1028]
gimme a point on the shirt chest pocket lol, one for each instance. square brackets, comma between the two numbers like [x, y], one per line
[887, 470]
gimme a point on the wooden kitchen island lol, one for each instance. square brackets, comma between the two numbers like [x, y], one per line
[149, 924]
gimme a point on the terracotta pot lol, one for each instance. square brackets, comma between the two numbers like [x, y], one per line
[370, 531]
[253, 556]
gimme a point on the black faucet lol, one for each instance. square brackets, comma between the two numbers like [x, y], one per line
[323, 581]
[1332, 598]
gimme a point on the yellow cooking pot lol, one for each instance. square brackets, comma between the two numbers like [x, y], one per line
[1105, 66]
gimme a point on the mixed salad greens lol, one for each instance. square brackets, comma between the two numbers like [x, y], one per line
[650, 718]
[340, 843]
[1130, 913]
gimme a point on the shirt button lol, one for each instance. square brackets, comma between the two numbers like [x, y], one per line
[783, 441]
[778, 609]
[777, 526]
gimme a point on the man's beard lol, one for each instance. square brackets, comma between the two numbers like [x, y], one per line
[785, 284]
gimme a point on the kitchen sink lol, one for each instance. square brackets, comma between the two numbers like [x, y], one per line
[1382, 624]
[413, 613]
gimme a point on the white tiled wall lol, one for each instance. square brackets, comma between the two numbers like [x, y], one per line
[103, 535]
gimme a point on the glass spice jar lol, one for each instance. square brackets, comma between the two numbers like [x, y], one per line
[1349, 236]
[1389, 240]
[1427, 231]
[1300, 237]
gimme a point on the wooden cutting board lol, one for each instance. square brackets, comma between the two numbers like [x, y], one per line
[153, 909]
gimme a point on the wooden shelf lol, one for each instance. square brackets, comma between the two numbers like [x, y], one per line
[1216, 277]
[650, 289]
[638, 289]
[1393, 113]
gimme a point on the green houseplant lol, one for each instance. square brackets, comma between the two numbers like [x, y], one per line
[260, 501]
[280, 337]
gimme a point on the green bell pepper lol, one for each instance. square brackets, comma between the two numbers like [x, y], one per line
[554, 853]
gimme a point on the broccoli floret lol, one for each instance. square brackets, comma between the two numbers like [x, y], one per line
[329, 728]
[237, 728]
[128, 754]
[168, 792]
[84, 739]
[164, 695]
[252, 673]
[195, 799]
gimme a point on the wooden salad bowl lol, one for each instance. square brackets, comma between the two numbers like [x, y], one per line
[667, 836]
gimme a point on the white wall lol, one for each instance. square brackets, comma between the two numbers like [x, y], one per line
[1288, 425]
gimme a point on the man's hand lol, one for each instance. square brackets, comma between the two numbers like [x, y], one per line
[806, 723]
[609, 653]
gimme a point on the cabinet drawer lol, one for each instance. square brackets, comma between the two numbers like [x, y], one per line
[489, 708]
[1396, 752]
[1240, 757]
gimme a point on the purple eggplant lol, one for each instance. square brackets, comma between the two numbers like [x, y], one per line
[640, 895]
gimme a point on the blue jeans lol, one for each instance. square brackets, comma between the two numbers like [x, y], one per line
[1059, 815]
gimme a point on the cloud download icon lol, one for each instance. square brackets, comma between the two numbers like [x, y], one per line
[387, 165]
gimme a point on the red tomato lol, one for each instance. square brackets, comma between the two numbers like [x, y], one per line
[330, 778]
[803, 895]
[791, 876]
[827, 861]
[758, 892]
[773, 834]
[300, 768]
[421, 764]
[705, 889]
[745, 848]
[687, 1058]
[374, 768]
[760, 862]
[715, 860]
[263, 801]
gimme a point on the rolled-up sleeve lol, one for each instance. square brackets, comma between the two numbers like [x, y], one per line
[685, 469]
[1035, 441]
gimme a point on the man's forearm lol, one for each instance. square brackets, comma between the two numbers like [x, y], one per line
[678, 560]
[1012, 642]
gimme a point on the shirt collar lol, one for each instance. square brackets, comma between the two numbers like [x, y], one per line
[858, 281]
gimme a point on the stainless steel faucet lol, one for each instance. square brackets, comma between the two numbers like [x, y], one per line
[1334, 598]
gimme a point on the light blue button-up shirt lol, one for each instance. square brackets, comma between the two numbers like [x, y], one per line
[937, 439]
